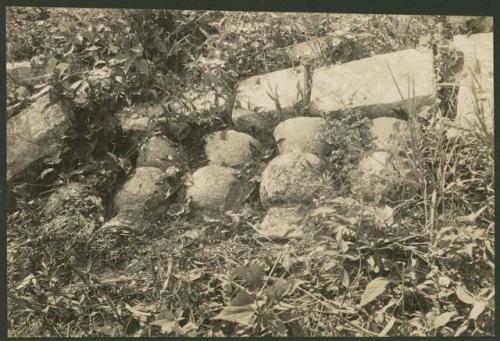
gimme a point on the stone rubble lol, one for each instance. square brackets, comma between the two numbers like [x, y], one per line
[36, 133]
[291, 178]
[375, 173]
[476, 85]
[230, 148]
[281, 223]
[158, 151]
[304, 134]
[263, 101]
[267, 109]
[144, 187]
[214, 190]
[72, 209]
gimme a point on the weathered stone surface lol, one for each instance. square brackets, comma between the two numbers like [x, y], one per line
[389, 133]
[73, 209]
[230, 148]
[138, 118]
[214, 189]
[159, 152]
[476, 85]
[73, 196]
[282, 223]
[256, 111]
[290, 178]
[17, 71]
[146, 187]
[303, 134]
[373, 176]
[35, 133]
[27, 72]
[367, 84]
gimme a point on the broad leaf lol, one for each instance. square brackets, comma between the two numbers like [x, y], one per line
[244, 315]
[282, 288]
[142, 66]
[374, 289]
[252, 275]
[167, 326]
[241, 299]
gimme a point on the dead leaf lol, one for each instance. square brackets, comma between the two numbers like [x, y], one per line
[469, 249]
[136, 312]
[282, 288]
[345, 279]
[374, 289]
[444, 281]
[244, 315]
[192, 234]
[388, 327]
[462, 328]
[167, 326]
[443, 319]
[464, 296]
[194, 275]
[384, 216]
[477, 310]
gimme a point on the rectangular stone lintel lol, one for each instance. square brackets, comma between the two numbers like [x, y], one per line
[370, 84]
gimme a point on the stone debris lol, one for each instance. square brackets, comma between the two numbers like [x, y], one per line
[230, 148]
[290, 178]
[281, 223]
[304, 134]
[368, 85]
[138, 118]
[142, 197]
[18, 71]
[266, 109]
[389, 134]
[145, 188]
[158, 151]
[36, 133]
[215, 189]
[476, 85]
[25, 72]
[373, 176]
[73, 209]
